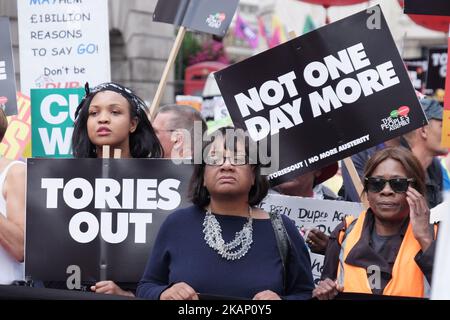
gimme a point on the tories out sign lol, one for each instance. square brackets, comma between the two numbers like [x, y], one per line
[98, 214]
[327, 94]
[63, 44]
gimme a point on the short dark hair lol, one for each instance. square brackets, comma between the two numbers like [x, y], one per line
[409, 162]
[143, 141]
[200, 196]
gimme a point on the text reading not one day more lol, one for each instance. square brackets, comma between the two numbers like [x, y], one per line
[316, 74]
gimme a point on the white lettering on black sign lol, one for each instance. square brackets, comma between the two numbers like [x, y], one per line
[325, 99]
[108, 195]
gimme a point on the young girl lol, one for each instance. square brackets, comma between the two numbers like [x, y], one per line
[113, 115]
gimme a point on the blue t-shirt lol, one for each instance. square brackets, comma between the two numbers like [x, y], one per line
[180, 254]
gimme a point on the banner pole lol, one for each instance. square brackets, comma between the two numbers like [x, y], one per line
[162, 83]
[103, 254]
[355, 180]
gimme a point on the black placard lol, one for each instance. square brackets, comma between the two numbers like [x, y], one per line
[327, 94]
[8, 100]
[209, 16]
[430, 7]
[65, 209]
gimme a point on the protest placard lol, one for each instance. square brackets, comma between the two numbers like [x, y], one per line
[209, 16]
[18, 135]
[327, 94]
[437, 72]
[429, 7]
[53, 115]
[441, 276]
[101, 215]
[307, 213]
[8, 101]
[63, 44]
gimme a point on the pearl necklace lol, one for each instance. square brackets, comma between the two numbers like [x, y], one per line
[213, 237]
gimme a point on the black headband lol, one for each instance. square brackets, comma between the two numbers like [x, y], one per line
[131, 97]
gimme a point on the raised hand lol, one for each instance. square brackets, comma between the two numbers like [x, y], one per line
[419, 215]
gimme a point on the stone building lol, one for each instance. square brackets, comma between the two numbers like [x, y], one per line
[139, 46]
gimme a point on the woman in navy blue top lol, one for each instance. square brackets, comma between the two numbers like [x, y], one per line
[223, 245]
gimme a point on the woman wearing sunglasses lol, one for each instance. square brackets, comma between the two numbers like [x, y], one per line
[389, 249]
[224, 245]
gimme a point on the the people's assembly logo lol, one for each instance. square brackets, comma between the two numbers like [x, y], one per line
[396, 120]
[215, 20]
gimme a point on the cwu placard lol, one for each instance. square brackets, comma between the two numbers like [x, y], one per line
[98, 215]
[326, 95]
[53, 116]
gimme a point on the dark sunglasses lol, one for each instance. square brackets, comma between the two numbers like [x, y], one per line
[397, 185]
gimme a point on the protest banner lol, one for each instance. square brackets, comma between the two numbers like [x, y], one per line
[8, 101]
[18, 135]
[441, 277]
[417, 70]
[209, 16]
[63, 44]
[437, 72]
[428, 7]
[79, 210]
[446, 116]
[53, 115]
[307, 213]
[327, 94]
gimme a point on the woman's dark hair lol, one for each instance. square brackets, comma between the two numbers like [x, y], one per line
[412, 166]
[198, 193]
[143, 141]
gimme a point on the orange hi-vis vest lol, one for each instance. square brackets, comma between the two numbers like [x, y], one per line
[407, 278]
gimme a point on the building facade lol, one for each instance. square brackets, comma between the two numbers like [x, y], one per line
[139, 46]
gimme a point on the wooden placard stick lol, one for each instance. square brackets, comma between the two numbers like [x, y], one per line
[162, 83]
[355, 180]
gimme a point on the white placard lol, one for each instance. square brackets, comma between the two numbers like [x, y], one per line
[63, 43]
[308, 213]
[441, 276]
